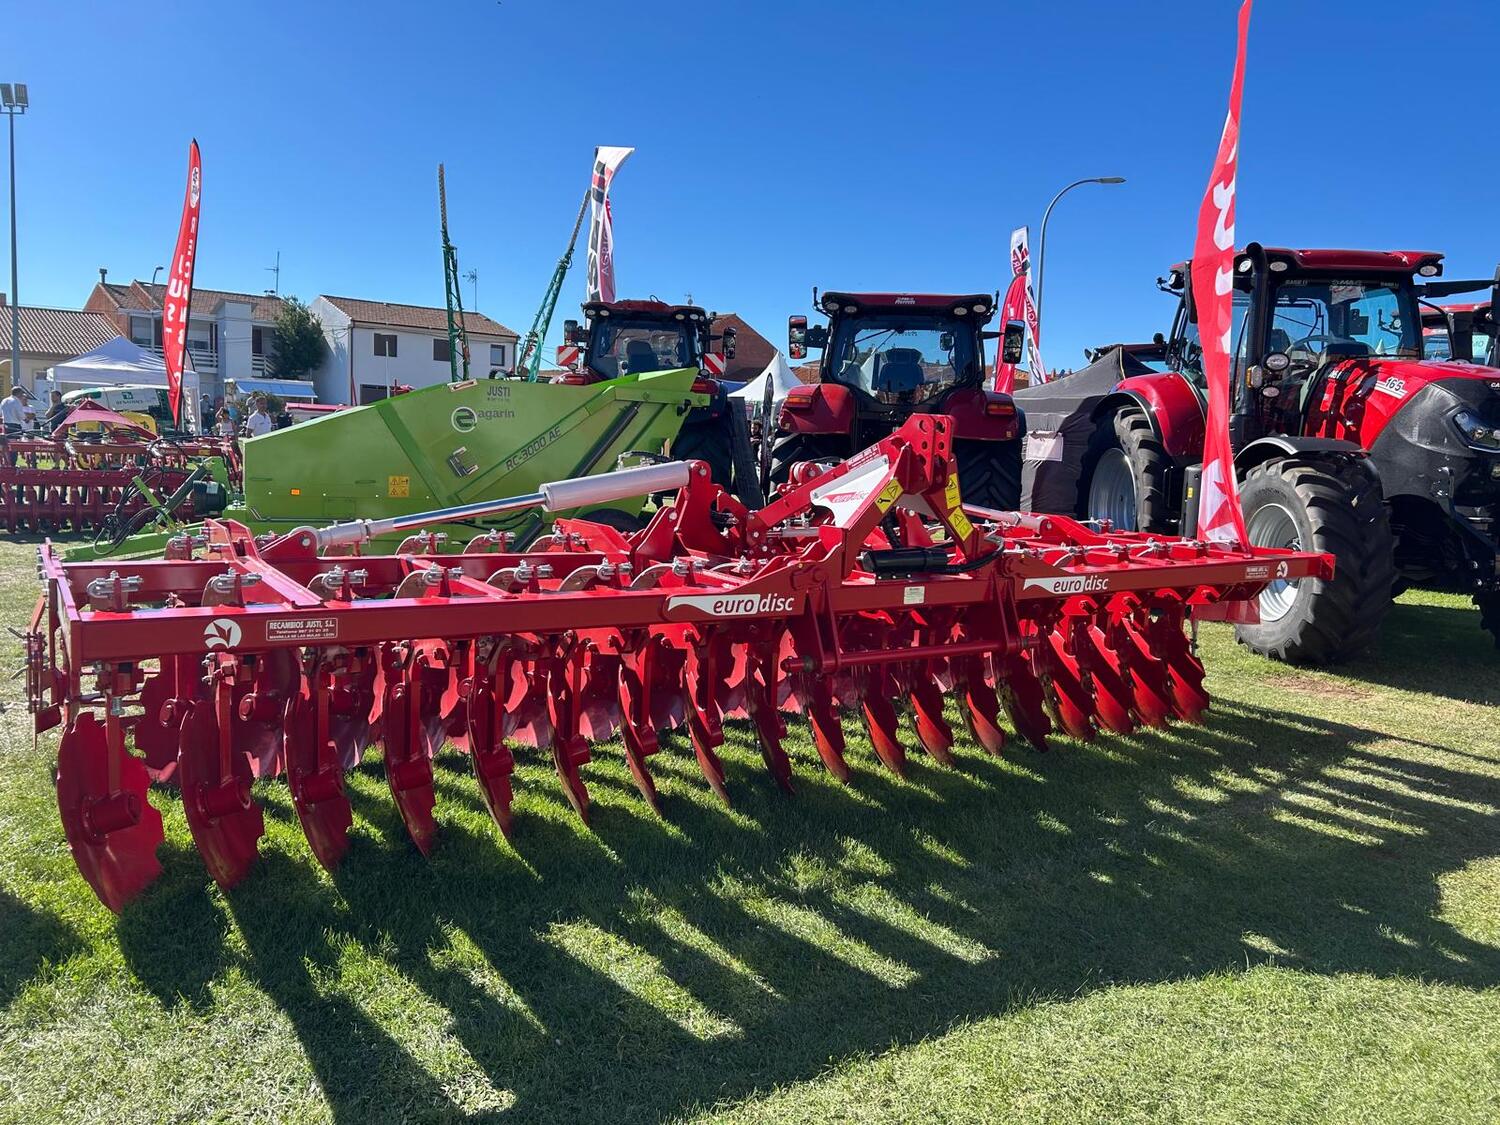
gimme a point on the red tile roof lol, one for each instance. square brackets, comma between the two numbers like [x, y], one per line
[752, 351]
[806, 373]
[62, 332]
[414, 316]
[144, 296]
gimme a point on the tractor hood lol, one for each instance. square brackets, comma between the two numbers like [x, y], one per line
[1358, 399]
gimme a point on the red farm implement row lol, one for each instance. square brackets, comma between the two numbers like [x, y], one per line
[79, 479]
[865, 586]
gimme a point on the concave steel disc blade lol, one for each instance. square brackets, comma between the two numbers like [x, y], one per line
[165, 698]
[113, 841]
[314, 774]
[409, 708]
[225, 822]
[493, 763]
[933, 731]
[1111, 690]
[1071, 700]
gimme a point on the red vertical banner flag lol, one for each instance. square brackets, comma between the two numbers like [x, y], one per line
[1011, 311]
[1219, 515]
[1020, 262]
[174, 308]
[601, 266]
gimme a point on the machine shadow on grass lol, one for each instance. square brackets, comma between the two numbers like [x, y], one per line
[1157, 857]
[1448, 645]
[31, 938]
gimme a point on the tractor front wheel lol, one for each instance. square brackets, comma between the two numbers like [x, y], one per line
[1125, 475]
[1335, 507]
[989, 473]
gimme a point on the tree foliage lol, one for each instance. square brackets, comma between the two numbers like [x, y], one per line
[299, 344]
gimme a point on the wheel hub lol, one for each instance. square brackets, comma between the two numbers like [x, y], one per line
[1274, 526]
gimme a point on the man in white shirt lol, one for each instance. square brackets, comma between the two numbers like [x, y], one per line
[259, 421]
[13, 411]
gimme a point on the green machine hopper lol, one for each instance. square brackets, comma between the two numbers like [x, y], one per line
[448, 445]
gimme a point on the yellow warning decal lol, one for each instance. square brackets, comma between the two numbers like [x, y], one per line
[398, 486]
[956, 518]
[888, 496]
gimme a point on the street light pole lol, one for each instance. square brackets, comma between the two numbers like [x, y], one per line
[1041, 250]
[13, 100]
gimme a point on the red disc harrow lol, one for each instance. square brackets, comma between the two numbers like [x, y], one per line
[91, 467]
[864, 588]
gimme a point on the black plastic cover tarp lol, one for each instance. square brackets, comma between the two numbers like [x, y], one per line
[1059, 426]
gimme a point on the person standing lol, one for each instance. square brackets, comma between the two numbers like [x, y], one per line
[259, 421]
[13, 411]
[56, 411]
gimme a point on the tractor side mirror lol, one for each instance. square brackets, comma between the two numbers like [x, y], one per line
[796, 337]
[1013, 342]
[1159, 340]
[572, 332]
[730, 335]
[945, 341]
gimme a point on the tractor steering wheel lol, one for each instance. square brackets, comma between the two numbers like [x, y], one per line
[1320, 337]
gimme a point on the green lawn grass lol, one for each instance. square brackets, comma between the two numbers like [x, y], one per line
[1291, 913]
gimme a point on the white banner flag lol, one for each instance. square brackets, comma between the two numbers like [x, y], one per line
[1020, 265]
[601, 272]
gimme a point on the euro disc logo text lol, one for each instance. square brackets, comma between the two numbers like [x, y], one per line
[1070, 584]
[732, 605]
[221, 633]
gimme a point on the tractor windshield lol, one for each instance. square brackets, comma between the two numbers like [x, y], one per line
[1318, 319]
[625, 345]
[899, 358]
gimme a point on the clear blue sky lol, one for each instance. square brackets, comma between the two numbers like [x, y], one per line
[779, 146]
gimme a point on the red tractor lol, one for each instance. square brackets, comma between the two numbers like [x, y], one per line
[1347, 440]
[887, 356]
[633, 337]
[1465, 332]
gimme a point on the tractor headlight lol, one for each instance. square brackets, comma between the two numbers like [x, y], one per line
[1476, 431]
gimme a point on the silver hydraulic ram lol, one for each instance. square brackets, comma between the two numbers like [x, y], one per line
[554, 496]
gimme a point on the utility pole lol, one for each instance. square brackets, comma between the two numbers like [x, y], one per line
[14, 100]
[275, 272]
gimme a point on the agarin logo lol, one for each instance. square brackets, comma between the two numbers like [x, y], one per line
[221, 633]
[464, 419]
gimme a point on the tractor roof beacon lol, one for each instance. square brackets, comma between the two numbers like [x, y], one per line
[631, 337]
[1346, 439]
[888, 356]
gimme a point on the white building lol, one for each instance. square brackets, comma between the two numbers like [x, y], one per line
[230, 335]
[373, 345]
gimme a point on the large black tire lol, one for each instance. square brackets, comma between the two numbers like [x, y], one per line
[1128, 441]
[791, 448]
[707, 441]
[1489, 612]
[989, 473]
[1332, 506]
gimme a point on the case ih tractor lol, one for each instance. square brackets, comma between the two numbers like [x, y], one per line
[1346, 440]
[633, 337]
[887, 356]
[1465, 332]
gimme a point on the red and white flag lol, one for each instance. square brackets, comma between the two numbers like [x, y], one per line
[601, 272]
[174, 308]
[1219, 516]
[1011, 311]
[1020, 264]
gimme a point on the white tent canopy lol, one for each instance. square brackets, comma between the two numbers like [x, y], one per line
[119, 362]
[753, 393]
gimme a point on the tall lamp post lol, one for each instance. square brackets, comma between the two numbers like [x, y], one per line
[13, 100]
[1041, 250]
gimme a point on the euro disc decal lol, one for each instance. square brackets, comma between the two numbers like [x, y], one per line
[1069, 584]
[698, 607]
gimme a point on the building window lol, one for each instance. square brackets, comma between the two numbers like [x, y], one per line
[140, 330]
[497, 355]
[257, 341]
[385, 344]
[442, 351]
[373, 392]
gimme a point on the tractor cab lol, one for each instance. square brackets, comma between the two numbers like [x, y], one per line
[632, 337]
[887, 356]
[1464, 331]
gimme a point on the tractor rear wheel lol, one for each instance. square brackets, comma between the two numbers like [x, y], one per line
[989, 473]
[707, 442]
[791, 448]
[1127, 481]
[1489, 612]
[1335, 507]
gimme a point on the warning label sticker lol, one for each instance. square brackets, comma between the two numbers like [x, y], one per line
[302, 629]
[398, 486]
[888, 496]
[914, 595]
